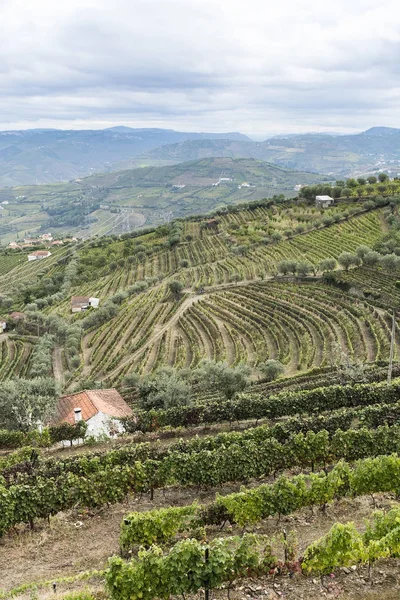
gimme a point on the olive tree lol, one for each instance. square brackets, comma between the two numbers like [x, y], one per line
[272, 369]
[346, 260]
[212, 376]
[328, 264]
[25, 402]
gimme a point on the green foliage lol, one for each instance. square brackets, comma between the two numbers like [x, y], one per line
[213, 376]
[342, 546]
[25, 402]
[155, 526]
[164, 389]
[272, 369]
[346, 260]
[189, 566]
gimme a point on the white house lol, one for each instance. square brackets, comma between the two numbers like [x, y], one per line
[323, 201]
[47, 237]
[39, 255]
[102, 410]
[80, 303]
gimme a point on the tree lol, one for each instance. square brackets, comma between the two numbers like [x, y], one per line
[25, 402]
[303, 268]
[165, 388]
[351, 183]
[272, 369]
[361, 251]
[383, 177]
[328, 264]
[219, 376]
[390, 262]
[292, 266]
[346, 260]
[361, 181]
[176, 287]
[371, 258]
[283, 267]
[372, 179]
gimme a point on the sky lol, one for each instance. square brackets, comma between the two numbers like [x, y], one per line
[252, 66]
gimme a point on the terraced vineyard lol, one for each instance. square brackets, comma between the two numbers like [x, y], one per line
[14, 358]
[299, 324]
[210, 260]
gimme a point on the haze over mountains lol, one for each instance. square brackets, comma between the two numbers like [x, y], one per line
[38, 156]
[341, 156]
[45, 156]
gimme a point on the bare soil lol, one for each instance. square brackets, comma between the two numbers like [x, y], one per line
[79, 541]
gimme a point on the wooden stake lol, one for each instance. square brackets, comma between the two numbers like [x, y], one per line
[389, 379]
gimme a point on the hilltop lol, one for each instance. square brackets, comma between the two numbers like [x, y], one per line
[39, 156]
[337, 155]
[119, 201]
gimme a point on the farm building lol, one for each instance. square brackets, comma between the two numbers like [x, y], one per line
[17, 316]
[79, 303]
[100, 409]
[323, 201]
[39, 255]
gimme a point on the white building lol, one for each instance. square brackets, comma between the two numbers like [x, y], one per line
[323, 201]
[80, 303]
[3, 325]
[39, 255]
[102, 410]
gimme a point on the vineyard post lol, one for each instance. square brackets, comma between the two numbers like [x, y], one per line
[206, 588]
[389, 379]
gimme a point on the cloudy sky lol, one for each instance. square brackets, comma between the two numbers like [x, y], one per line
[213, 65]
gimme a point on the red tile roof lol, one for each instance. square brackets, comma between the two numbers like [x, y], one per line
[91, 402]
[40, 253]
[79, 300]
[17, 315]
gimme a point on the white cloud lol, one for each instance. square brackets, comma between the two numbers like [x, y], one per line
[200, 64]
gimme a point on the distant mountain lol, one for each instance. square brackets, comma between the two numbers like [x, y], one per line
[50, 155]
[341, 156]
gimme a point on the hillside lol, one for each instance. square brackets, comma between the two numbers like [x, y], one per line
[120, 201]
[48, 155]
[242, 246]
[339, 156]
[290, 455]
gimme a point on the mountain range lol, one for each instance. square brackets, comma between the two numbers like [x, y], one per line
[338, 155]
[40, 156]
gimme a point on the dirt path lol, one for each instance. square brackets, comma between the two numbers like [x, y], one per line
[157, 333]
[87, 351]
[58, 369]
[46, 553]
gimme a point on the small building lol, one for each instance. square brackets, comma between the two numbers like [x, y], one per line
[47, 237]
[56, 243]
[14, 246]
[212, 224]
[17, 316]
[39, 255]
[79, 303]
[323, 201]
[3, 324]
[102, 410]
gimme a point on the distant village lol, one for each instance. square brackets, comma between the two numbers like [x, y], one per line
[46, 239]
